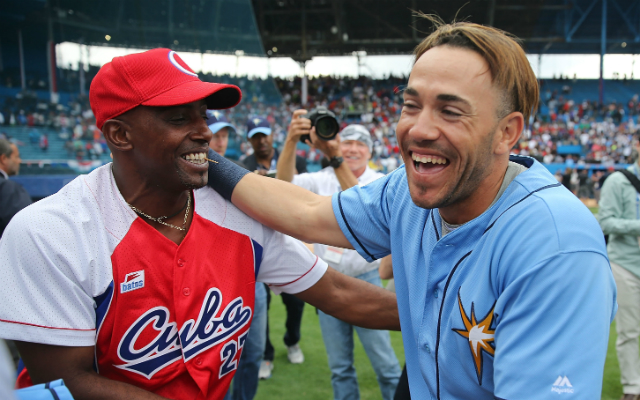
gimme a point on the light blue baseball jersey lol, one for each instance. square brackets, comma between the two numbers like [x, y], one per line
[515, 304]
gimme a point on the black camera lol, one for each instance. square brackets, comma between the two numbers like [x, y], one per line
[327, 126]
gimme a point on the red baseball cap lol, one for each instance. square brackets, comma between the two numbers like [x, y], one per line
[157, 78]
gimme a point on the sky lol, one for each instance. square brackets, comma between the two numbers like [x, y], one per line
[582, 66]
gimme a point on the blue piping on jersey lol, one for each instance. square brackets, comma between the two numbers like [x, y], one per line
[102, 305]
[257, 256]
[344, 218]
[446, 286]
[444, 295]
[20, 367]
[433, 219]
[519, 201]
[54, 394]
[103, 302]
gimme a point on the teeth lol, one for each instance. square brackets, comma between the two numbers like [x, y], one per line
[196, 158]
[428, 159]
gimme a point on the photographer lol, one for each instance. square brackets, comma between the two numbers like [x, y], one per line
[348, 155]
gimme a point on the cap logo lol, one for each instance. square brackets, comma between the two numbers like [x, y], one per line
[256, 121]
[172, 59]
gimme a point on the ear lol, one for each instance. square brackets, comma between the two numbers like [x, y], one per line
[509, 131]
[116, 133]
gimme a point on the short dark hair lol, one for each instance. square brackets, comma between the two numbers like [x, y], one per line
[5, 148]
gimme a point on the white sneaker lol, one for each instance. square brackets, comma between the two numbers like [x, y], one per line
[294, 353]
[265, 369]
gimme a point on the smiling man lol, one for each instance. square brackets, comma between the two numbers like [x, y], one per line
[503, 283]
[131, 284]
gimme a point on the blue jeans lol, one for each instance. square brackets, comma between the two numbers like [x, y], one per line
[338, 341]
[245, 382]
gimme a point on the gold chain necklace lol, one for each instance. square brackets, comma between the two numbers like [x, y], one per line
[160, 219]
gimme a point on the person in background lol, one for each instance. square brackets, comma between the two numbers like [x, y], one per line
[348, 155]
[619, 217]
[386, 272]
[13, 197]
[263, 161]
[265, 157]
[245, 382]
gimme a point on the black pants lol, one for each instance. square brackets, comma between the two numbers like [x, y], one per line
[402, 391]
[295, 307]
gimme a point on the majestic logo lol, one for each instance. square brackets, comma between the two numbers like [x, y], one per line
[479, 334]
[562, 385]
[132, 281]
[172, 59]
[194, 337]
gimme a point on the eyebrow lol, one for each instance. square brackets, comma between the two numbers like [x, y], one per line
[411, 91]
[452, 98]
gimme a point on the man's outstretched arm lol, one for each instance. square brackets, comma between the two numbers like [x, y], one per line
[75, 365]
[289, 209]
[277, 204]
[354, 301]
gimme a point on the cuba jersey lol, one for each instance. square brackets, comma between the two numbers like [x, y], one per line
[171, 319]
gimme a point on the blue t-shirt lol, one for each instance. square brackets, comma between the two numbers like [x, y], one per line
[515, 304]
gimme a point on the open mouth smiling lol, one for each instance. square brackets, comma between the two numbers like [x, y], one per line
[195, 158]
[428, 162]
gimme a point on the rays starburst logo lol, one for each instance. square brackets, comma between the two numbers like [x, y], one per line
[478, 333]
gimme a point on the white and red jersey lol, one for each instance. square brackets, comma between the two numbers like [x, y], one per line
[82, 269]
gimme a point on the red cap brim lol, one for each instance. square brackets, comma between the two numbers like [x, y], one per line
[217, 95]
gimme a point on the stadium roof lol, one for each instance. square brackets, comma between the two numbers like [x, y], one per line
[390, 27]
[306, 28]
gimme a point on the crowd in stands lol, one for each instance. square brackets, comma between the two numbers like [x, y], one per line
[564, 131]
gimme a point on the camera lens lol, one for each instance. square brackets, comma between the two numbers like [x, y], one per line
[326, 128]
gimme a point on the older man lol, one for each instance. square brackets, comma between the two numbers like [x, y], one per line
[502, 277]
[128, 284]
[349, 154]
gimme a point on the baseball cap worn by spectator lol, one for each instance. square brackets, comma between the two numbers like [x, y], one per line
[258, 125]
[359, 133]
[157, 78]
[216, 121]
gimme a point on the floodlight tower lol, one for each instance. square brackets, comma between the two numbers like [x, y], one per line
[603, 49]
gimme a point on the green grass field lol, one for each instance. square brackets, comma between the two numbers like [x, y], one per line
[311, 380]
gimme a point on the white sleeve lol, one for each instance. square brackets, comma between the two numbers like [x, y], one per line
[287, 264]
[306, 181]
[43, 298]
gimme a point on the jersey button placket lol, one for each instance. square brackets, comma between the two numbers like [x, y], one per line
[181, 263]
[186, 291]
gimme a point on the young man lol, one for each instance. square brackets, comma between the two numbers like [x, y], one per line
[502, 277]
[130, 284]
[349, 155]
[619, 218]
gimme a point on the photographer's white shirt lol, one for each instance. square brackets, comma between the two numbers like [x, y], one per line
[325, 183]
